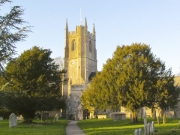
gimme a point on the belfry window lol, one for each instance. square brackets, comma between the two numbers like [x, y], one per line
[90, 46]
[73, 45]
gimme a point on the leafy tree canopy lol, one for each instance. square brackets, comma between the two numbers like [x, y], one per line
[12, 30]
[132, 78]
[36, 83]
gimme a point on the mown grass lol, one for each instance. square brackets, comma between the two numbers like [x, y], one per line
[39, 128]
[125, 127]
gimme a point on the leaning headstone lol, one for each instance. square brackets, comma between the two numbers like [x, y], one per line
[136, 132]
[12, 120]
[1, 118]
[140, 131]
[158, 119]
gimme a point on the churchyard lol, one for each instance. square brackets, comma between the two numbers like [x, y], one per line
[126, 127]
[101, 126]
[37, 128]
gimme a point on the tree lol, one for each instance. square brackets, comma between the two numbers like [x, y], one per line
[36, 83]
[3, 85]
[130, 79]
[167, 92]
[11, 32]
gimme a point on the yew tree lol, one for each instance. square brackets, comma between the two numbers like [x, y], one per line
[2, 81]
[132, 78]
[167, 93]
[12, 30]
[36, 83]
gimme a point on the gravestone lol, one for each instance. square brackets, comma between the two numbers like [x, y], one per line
[1, 118]
[136, 132]
[148, 128]
[145, 121]
[12, 120]
[44, 116]
[152, 127]
[56, 117]
[118, 116]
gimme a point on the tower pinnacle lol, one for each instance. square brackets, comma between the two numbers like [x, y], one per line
[93, 29]
[85, 23]
[66, 24]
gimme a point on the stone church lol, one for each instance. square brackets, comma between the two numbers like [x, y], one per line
[80, 61]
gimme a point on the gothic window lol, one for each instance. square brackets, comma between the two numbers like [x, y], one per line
[73, 45]
[90, 46]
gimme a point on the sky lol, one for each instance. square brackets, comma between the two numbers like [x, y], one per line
[117, 22]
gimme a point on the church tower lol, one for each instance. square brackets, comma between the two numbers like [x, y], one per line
[80, 61]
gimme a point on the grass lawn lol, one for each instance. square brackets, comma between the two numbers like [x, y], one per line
[54, 128]
[125, 127]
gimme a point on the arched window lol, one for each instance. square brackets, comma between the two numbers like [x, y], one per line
[73, 45]
[90, 46]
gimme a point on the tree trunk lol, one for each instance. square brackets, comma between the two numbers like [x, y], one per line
[154, 113]
[131, 116]
[164, 116]
[141, 113]
[158, 119]
[134, 116]
[159, 115]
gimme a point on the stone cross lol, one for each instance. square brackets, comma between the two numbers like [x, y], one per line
[12, 120]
